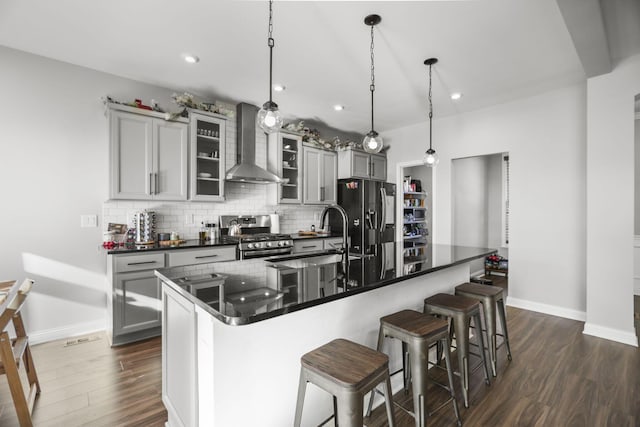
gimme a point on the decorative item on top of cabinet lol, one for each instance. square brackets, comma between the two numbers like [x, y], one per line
[320, 176]
[208, 147]
[359, 164]
[284, 159]
[148, 155]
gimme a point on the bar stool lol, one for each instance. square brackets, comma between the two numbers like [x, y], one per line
[489, 297]
[418, 332]
[460, 310]
[348, 371]
[12, 298]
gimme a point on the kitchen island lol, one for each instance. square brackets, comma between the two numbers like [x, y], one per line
[231, 350]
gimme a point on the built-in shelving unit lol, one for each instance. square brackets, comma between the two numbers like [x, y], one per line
[415, 229]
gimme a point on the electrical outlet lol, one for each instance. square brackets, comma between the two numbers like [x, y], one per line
[189, 219]
[87, 221]
[316, 216]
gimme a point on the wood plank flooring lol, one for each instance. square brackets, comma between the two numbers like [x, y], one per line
[558, 377]
[90, 384]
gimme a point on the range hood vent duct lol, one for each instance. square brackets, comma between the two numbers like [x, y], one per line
[246, 169]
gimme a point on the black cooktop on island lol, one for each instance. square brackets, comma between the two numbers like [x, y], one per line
[252, 290]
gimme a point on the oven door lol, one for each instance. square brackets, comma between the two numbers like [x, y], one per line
[261, 253]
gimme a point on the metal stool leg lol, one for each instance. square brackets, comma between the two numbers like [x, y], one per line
[489, 310]
[447, 357]
[461, 327]
[388, 401]
[418, 357]
[350, 410]
[302, 387]
[478, 325]
[503, 322]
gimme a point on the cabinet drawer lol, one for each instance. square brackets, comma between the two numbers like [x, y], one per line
[201, 256]
[124, 263]
[307, 245]
[331, 243]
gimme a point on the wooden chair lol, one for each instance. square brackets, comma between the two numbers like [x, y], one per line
[12, 350]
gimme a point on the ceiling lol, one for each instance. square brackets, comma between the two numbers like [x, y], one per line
[492, 51]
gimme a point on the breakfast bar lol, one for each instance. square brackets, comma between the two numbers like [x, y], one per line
[234, 332]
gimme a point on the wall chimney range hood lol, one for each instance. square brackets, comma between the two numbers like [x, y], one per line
[246, 169]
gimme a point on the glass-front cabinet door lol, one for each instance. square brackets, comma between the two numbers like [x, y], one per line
[284, 159]
[208, 142]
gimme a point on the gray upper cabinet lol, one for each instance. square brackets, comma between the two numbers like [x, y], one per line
[320, 175]
[358, 164]
[148, 157]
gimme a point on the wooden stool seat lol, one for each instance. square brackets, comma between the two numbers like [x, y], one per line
[345, 362]
[478, 289]
[414, 323]
[461, 310]
[490, 297]
[453, 302]
[348, 371]
[418, 332]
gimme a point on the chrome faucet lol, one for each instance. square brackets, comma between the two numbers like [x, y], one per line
[345, 221]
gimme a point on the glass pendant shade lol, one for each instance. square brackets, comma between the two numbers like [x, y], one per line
[372, 143]
[269, 118]
[431, 158]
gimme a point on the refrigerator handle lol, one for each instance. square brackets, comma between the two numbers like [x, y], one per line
[383, 198]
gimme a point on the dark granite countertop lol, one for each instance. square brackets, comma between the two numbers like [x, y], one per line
[296, 236]
[249, 291]
[188, 244]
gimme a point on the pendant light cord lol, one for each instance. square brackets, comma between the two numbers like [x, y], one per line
[271, 43]
[372, 87]
[430, 108]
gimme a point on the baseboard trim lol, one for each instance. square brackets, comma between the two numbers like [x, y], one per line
[610, 334]
[547, 309]
[636, 285]
[47, 335]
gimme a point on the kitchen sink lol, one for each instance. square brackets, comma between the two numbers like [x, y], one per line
[305, 260]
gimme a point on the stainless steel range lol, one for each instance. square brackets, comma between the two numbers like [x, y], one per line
[254, 236]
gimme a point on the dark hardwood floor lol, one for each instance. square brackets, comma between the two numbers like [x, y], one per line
[558, 377]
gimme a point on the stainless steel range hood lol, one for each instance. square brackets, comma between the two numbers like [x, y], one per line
[246, 169]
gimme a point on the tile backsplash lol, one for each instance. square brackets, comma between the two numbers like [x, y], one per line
[241, 199]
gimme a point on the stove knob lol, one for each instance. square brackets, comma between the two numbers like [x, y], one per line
[268, 244]
[282, 243]
[250, 246]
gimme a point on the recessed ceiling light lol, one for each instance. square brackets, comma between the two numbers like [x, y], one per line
[456, 95]
[191, 59]
[279, 88]
[338, 107]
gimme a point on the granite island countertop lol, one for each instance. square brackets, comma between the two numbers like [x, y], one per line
[254, 290]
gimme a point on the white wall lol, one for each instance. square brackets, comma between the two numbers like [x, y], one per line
[545, 138]
[610, 206]
[54, 152]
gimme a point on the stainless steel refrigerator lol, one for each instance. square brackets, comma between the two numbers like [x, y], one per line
[370, 207]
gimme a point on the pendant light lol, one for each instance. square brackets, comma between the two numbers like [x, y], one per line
[431, 158]
[372, 142]
[269, 118]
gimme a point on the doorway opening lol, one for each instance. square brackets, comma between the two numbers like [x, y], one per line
[480, 211]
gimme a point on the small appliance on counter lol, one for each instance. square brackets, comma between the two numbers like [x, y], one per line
[145, 225]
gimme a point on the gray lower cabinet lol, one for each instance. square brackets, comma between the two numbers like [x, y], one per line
[307, 245]
[134, 305]
[137, 302]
